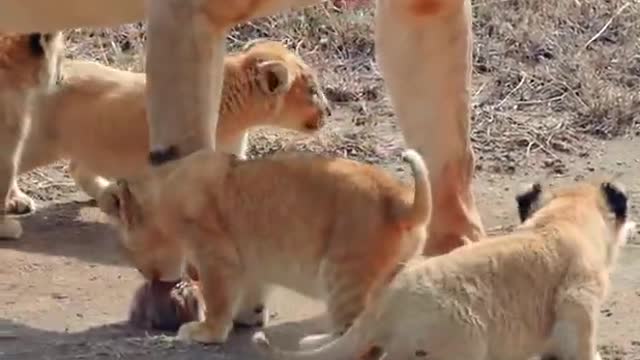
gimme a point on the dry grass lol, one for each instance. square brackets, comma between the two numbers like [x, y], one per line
[547, 75]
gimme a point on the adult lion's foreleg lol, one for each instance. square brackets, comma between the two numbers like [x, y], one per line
[424, 49]
[185, 51]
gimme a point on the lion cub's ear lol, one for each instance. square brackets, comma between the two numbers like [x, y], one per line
[616, 199]
[528, 200]
[273, 77]
[117, 201]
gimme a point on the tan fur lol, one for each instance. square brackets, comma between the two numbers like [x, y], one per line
[28, 65]
[423, 49]
[97, 116]
[535, 291]
[326, 227]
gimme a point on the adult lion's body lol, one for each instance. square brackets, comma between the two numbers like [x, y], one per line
[44, 16]
[535, 291]
[423, 48]
[96, 117]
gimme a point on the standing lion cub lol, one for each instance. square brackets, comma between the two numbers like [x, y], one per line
[328, 228]
[536, 291]
[97, 117]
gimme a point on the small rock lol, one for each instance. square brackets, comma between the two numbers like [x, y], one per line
[59, 296]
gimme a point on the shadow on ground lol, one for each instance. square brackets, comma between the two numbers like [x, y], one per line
[118, 340]
[70, 229]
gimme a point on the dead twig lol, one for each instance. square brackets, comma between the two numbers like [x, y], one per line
[606, 26]
[524, 77]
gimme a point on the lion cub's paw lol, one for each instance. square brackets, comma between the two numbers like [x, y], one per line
[19, 203]
[257, 316]
[310, 342]
[200, 331]
[10, 228]
[260, 340]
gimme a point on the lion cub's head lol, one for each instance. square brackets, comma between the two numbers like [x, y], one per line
[600, 210]
[287, 89]
[155, 255]
[139, 204]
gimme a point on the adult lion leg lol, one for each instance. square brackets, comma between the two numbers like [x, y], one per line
[185, 51]
[424, 48]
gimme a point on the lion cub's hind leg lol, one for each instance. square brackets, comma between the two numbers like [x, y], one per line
[435, 339]
[38, 149]
[349, 286]
[90, 183]
[252, 310]
[11, 117]
[574, 332]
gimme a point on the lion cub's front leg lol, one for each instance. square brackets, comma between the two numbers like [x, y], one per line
[221, 285]
[221, 294]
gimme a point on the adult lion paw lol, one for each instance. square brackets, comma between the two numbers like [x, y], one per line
[201, 332]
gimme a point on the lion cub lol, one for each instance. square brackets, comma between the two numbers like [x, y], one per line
[28, 65]
[97, 116]
[534, 291]
[329, 228]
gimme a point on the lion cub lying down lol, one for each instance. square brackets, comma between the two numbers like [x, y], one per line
[327, 227]
[534, 291]
[97, 116]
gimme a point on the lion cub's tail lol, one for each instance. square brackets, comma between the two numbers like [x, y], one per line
[349, 345]
[422, 201]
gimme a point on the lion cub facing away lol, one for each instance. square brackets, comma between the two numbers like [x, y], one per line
[534, 291]
[329, 228]
[97, 116]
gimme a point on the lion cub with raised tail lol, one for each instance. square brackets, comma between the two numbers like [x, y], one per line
[97, 118]
[536, 291]
[328, 228]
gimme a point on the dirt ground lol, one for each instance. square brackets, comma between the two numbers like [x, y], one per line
[64, 291]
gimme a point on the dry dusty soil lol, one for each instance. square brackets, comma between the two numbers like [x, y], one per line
[64, 290]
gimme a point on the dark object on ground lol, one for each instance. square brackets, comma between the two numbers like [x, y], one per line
[164, 306]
